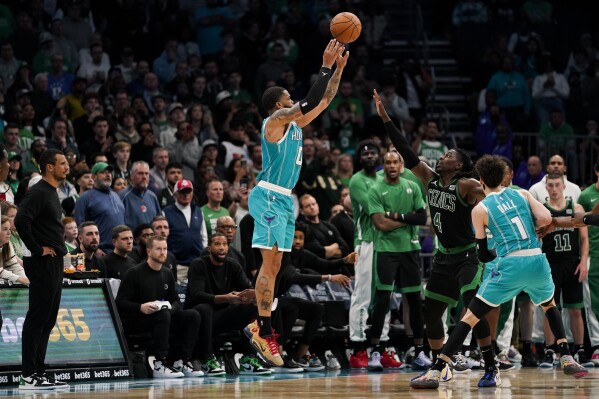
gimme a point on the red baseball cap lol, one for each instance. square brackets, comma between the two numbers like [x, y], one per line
[183, 185]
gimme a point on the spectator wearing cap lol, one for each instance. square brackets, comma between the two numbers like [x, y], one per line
[84, 124]
[186, 149]
[159, 120]
[14, 170]
[9, 64]
[59, 80]
[174, 173]
[210, 152]
[176, 115]
[160, 159]
[75, 97]
[66, 46]
[76, 27]
[121, 151]
[127, 65]
[188, 235]
[141, 204]
[101, 205]
[224, 111]
[100, 142]
[236, 145]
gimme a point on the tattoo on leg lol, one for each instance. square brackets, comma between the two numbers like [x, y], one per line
[266, 301]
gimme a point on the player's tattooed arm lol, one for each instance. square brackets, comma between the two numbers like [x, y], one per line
[329, 94]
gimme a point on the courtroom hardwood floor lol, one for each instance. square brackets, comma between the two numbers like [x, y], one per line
[518, 384]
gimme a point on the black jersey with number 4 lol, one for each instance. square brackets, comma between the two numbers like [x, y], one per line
[450, 214]
[562, 244]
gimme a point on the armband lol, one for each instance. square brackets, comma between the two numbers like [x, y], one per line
[591, 220]
[484, 254]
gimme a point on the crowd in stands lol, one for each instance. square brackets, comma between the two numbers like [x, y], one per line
[156, 106]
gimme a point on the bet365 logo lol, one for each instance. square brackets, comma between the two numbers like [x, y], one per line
[70, 325]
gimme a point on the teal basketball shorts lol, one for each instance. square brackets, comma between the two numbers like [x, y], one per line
[274, 219]
[512, 274]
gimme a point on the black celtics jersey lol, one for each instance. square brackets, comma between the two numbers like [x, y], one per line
[450, 214]
[562, 244]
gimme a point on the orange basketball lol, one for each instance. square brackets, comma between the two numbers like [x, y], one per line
[345, 27]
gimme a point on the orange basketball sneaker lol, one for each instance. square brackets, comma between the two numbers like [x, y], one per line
[266, 348]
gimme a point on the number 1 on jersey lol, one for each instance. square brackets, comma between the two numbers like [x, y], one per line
[518, 222]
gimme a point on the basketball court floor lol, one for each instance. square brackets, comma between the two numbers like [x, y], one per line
[517, 384]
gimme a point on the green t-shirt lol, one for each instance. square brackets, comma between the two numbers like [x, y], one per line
[403, 197]
[210, 217]
[409, 175]
[359, 185]
[588, 198]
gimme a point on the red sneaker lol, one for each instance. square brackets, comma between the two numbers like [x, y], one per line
[389, 362]
[358, 360]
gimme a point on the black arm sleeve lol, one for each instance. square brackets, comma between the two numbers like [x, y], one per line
[401, 144]
[316, 91]
[197, 285]
[415, 219]
[591, 220]
[484, 255]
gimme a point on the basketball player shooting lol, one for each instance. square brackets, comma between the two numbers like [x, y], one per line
[270, 202]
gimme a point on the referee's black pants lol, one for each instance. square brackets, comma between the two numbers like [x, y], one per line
[45, 275]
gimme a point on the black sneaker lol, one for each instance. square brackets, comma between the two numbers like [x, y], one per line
[528, 360]
[35, 383]
[59, 384]
[289, 366]
[548, 359]
[503, 363]
[581, 358]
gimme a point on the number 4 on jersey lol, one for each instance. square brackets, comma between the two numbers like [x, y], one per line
[437, 222]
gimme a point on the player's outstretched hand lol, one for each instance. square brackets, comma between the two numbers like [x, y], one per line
[341, 60]
[333, 50]
[380, 108]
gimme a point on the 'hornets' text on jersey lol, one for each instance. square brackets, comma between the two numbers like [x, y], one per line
[282, 160]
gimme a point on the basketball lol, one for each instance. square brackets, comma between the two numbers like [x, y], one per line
[345, 27]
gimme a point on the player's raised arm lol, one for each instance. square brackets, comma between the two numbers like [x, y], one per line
[329, 93]
[411, 160]
[284, 116]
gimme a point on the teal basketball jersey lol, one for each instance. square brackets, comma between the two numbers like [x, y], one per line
[511, 223]
[282, 161]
